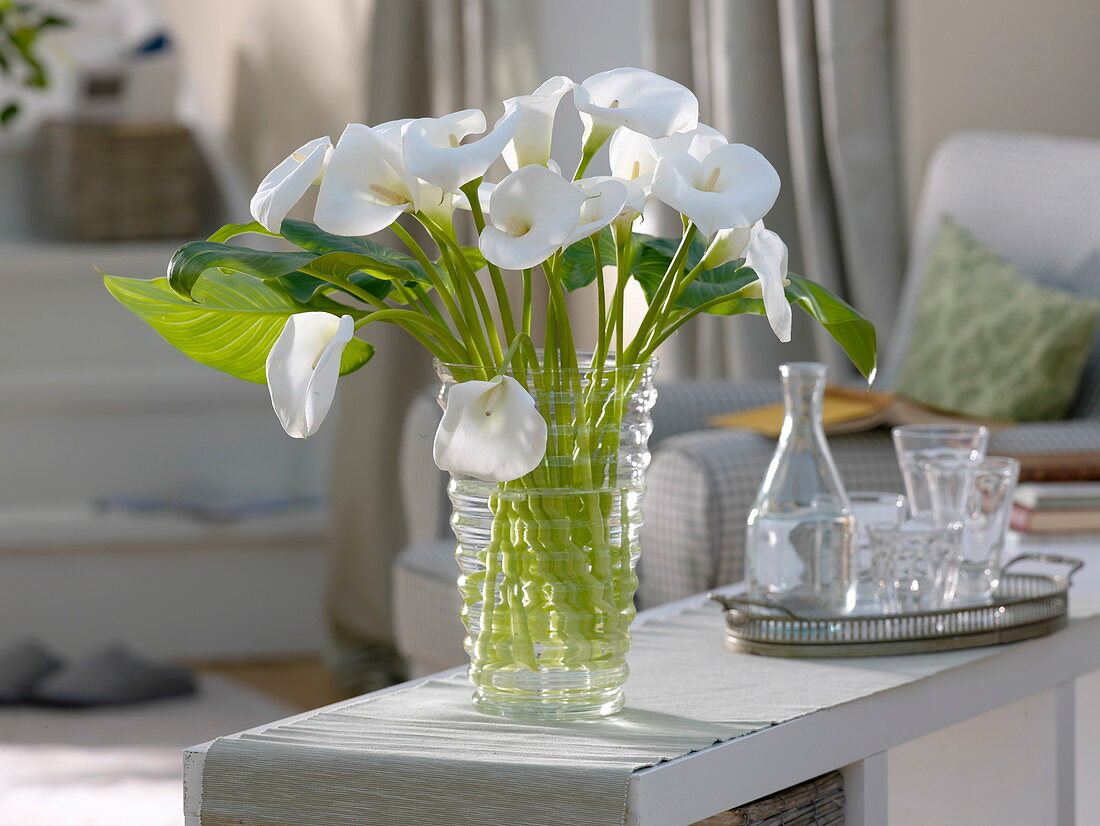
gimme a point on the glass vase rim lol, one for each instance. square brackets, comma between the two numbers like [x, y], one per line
[584, 366]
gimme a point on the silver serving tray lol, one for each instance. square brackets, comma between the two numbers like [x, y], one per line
[1025, 605]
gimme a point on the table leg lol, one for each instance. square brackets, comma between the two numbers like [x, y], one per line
[865, 791]
[1065, 758]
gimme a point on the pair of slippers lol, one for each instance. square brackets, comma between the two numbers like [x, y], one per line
[31, 673]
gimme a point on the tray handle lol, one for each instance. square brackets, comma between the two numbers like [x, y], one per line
[1074, 564]
[734, 602]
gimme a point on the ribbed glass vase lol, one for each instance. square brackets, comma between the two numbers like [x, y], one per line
[547, 561]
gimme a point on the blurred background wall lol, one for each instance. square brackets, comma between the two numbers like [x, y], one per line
[1029, 65]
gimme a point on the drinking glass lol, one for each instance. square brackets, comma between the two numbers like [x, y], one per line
[872, 507]
[914, 565]
[917, 444]
[979, 500]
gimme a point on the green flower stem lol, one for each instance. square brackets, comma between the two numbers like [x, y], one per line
[527, 301]
[425, 303]
[464, 277]
[433, 335]
[591, 146]
[601, 306]
[462, 269]
[656, 312]
[463, 327]
[477, 333]
[504, 305]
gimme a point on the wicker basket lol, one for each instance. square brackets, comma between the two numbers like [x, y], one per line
[100, 182]
[817, 802]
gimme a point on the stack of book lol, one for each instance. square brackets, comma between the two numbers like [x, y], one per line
[1057, 510]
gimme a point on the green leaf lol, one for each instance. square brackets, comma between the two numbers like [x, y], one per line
[193, 259]
[232, 323]
[854, 333]
[8, 113]
[384, 262]
[233, 230]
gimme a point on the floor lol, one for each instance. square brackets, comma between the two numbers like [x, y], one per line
[121, 766]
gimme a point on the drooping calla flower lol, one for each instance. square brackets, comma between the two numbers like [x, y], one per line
[733, 186]
[604, 200]
[531, 142]
[434, 150]
[366, 186]
[303, 367]
[490, 430]
[285, 185]
[639, 100]
[767, 255]
[533, 212]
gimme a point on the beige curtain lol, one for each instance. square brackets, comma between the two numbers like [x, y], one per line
[808, 83]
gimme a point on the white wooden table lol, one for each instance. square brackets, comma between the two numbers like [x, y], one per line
[854, 736]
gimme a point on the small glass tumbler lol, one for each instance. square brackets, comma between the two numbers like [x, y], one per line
[986, 507]
[915, 566]
[917, 444]
[872, 507]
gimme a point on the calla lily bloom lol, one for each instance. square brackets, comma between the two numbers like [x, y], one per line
[605, 198]
[285, 185]
[634, 157]
[728, 245]
[366, 186]
[639, 100]
[434, 150]
[531, 142]
[490, 430]
[767, 255]
[303, 367]
[734, 186]
[533, 213]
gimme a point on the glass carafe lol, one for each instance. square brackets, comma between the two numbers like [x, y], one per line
[800, 549]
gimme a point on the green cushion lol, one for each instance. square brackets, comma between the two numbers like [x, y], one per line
[990, 343]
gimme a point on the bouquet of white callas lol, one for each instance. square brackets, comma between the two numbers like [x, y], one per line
[546, 445]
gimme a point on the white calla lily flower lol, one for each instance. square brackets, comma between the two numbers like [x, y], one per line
[767, 255]
[284, 186]
[434, 150]
[634, 157]
[605, 198]
[637, 99]
[303, 367]
[532, 214]
[698, 142]
[490, 430]
[366, 186]
[728, 245]
[531, 142]
[733, 186]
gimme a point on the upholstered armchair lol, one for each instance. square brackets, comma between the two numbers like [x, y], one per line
[1035, 200]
